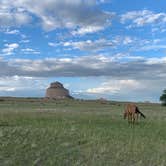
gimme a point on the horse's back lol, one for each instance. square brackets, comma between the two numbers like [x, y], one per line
[130, 108]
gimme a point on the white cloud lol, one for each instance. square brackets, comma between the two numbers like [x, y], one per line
[12, 32]
[9, 48]
[98, 44]
[25, 41]
[87, 29]
[144, 78]
[153, 47]
[152, 61]
[122, 89]
[89, 44]
[103, 1]
[143, 17]
[20, 83]
[54, 14]
[10, 16]
[127, 40]
[93, 65]
[30, 51]
[52, 44]
[124, 40]
[115, 86]
[7, 89]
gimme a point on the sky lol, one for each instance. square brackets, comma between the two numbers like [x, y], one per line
[113, 49]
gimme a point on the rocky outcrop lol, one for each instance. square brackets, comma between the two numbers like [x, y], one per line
[57, 91]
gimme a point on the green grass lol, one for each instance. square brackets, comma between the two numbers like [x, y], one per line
[79, 133]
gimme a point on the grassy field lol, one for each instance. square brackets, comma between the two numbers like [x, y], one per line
[79, 133]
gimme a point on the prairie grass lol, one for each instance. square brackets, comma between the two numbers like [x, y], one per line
[79, 133]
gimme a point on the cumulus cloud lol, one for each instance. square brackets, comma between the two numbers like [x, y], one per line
[89, 44]
[11, 16]
[143, 17]
[9, 48]
[98, 44]
[133, 77]
[12, 83]
[85, 66]
[25, 41]
[55, 14]
[30, 51]
[114, 43]
[153, 47]
[22, 86]
[127, 89]
[52, 44]
[115, 86]
[87, 29]
[103, 1]
[12, 32]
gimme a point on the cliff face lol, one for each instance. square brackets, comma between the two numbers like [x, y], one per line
[57, 91]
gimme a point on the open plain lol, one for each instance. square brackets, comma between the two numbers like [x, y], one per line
[79, 133]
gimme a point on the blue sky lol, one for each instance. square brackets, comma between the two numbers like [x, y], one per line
[96, 48]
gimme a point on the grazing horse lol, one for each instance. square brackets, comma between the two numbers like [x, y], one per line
[132, 112]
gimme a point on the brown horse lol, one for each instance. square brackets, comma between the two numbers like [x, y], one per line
[132, 112]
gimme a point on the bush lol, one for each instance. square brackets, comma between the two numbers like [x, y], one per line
[163, 98]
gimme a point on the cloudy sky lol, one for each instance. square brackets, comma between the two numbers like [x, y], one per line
[96, 48]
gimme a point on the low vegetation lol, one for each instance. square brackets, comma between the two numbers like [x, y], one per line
[79, 133]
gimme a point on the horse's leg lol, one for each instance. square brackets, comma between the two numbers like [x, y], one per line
[130, 115]
[133, 118]
[129, 119]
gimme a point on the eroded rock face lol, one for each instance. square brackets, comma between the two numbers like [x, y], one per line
[57, 91]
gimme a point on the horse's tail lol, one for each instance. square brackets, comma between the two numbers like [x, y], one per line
[137, 110]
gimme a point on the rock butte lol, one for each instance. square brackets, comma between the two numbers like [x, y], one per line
[57, 91]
